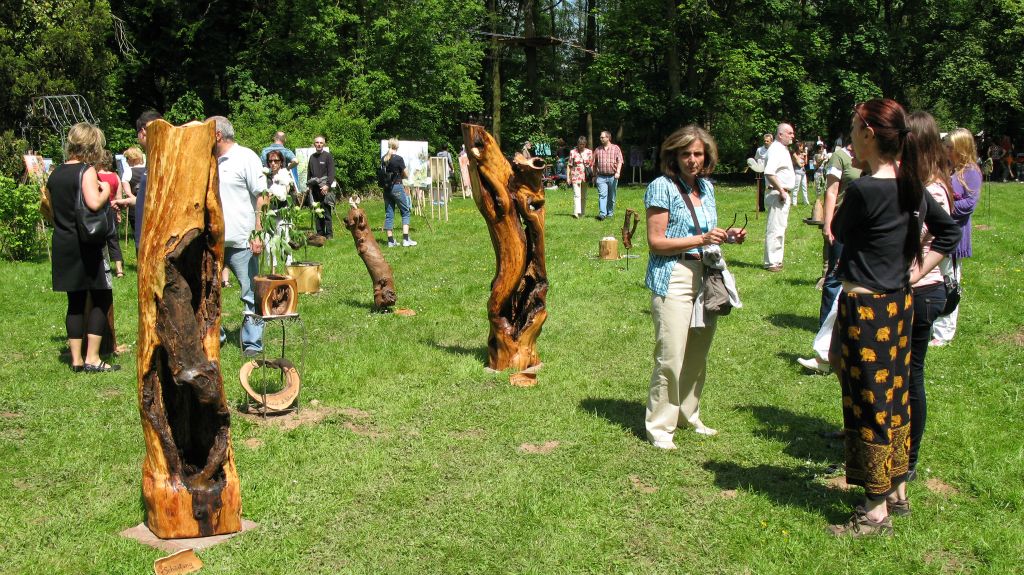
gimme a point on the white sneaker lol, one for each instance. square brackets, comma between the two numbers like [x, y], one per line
[408, 243]
[666, 445]
[813, 364]
[392, 244]
[937, 343]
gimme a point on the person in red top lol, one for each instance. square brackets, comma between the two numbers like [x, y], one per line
[607, 166]
[103, 172]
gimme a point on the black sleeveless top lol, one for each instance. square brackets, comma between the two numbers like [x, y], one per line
[74, 266]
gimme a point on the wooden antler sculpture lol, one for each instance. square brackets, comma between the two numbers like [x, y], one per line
[627, 229]
[511, 199]
[384, 295]
[189, 482]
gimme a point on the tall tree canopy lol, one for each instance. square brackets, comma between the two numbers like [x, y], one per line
[362, 70]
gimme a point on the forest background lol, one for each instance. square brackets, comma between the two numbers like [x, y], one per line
[362, 70]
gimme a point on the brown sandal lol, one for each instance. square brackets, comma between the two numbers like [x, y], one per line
[899, 507]
[860, 526]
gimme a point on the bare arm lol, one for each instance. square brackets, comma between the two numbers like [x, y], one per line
[831, 196]
[94, 192]
[657, 223]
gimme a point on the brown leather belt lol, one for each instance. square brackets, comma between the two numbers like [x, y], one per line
[689, 256]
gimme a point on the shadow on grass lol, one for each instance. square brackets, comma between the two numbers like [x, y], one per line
[801, 281]
[357, 303]
[743, 264]
[626, 414]
[785, 486]
[803, 322]
[479, 352]
[801, 434]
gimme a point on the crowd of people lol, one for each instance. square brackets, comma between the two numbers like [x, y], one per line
[897, 208]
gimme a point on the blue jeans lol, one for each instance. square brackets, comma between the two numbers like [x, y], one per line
[606, 186]
[833, 285]
[928, 304]
[245, 266]
[396, 196]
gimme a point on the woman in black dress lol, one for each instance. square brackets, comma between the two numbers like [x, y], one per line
[79, 269]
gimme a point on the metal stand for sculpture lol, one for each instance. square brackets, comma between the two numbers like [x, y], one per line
[384, 295]
[511, 199]
[189, 482]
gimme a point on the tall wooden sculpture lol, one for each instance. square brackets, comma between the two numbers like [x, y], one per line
[369, 250]
[189, 482]
[511, 199]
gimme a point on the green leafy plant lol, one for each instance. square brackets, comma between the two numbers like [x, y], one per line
[21, 236]
[278, 242]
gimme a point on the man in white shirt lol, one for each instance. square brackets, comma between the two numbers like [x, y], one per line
[760, 156]
[242, 184]
[780, 177]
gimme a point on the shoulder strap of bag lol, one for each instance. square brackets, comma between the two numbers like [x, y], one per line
[83, 167]
[693, 212]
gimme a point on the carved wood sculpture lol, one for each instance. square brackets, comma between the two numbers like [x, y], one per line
[384, 295]
[189, 483]
[511, 199]
[629, 229]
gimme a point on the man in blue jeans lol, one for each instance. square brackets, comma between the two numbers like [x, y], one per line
[607, 166]
[242, 184]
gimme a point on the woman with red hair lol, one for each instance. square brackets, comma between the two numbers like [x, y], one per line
[879, 224]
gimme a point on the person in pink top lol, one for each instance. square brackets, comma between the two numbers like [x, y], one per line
[580, 160]
[103, 172]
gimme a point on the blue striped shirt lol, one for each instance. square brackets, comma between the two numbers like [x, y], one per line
[662, 193]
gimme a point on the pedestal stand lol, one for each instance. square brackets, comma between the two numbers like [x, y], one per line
[274, 394]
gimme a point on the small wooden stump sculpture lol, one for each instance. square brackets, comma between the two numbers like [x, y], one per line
[384, 295]
[189, 483]
[511, 199]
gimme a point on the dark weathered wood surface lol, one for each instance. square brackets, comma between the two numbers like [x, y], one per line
[511, 199]
[190, 486]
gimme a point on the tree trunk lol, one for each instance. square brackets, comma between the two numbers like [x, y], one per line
[384, 295]
[511, 200]
[532, 13]
[189, 483]
[495, 72]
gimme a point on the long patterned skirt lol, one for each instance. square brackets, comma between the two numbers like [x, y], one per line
[874, 372]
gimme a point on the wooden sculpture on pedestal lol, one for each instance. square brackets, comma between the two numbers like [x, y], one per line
[369, 250]
[511, 199]
[189, 483]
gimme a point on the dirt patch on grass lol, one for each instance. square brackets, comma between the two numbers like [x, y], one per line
[253, 443]
[542, 449]
[289, 421]
[354, 413]
[839, 483]
[936, 485]
[947, 562]
[729, 494]
[9, 414]
[640, 486]
[362, 429]
[982, 227]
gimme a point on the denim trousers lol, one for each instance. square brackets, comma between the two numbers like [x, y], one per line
[833, 285]
[245, 266]
[928, 304]
[396, 196]
[606, 187]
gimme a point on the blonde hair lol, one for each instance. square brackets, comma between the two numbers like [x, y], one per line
[681, 139]
[392, 148]
[85, 142]
[133, 155]
[965, 155]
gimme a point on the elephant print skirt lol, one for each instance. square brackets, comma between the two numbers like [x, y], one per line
[873, 340]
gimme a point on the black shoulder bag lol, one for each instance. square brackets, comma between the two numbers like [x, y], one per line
[93, 227]
[716, 297]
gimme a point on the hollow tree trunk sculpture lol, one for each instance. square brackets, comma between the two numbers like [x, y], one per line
[189, 483]
[384, 295]
[511, 199]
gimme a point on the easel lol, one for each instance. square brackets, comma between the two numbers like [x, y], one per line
[440, 188]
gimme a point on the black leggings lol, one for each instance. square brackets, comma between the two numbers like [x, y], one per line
[75, 321]
[113, 242]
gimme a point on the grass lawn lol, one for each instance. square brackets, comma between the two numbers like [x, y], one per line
[425, 463]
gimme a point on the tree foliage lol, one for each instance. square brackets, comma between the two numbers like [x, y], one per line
[363, 70]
